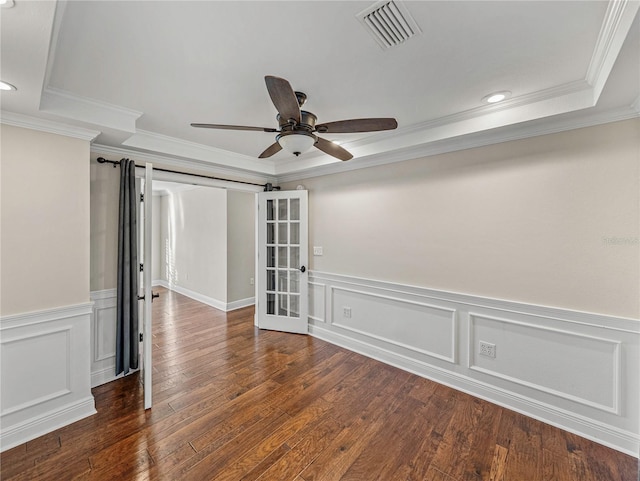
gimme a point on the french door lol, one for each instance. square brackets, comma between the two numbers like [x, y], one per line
[145, 286]
[282, 276]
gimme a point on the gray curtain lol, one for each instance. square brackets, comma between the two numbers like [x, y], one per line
[127, 350]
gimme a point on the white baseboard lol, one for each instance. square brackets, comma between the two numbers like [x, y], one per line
[105, 375]
[210, 301]
[47, 422]
[587, 381]
[239, 304]
[45, 375]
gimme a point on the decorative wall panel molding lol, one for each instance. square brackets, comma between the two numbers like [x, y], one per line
[103, 337]
[529, 357]
[407, 324]
[44, 369]
[575, 370]
[317, 297]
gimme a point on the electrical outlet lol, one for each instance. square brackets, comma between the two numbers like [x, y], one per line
[317, 250]
[487, 349]
[251, 281]
[346, 312]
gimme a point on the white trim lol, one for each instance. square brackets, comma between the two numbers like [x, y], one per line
[614, 30]
[103, 294]
[49, 126]
[535, 128]
[210, 301]
[240, 303]
[37, 317]
[195, 182]
[47, 422]
[616, 323]
[170, 161]
[72, 106]
[105, 375]
[182, 148]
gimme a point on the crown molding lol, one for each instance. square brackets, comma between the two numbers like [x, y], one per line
[33, 123]
[615, 28]
[193, 164]
[564, 98]
[65, 104]
[191, 150]
[478, 139]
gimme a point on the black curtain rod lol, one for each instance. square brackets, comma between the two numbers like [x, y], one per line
[267, 187]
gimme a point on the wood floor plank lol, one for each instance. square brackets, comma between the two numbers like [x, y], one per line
[232, 402]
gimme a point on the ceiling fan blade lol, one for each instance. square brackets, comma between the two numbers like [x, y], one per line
[333, 149]
[272, 149]
[358, 125]
[283, 97]
[234, 127]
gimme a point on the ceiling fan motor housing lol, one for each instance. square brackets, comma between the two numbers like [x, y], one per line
[307, 122]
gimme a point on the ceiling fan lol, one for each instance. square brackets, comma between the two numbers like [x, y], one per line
[297, 128]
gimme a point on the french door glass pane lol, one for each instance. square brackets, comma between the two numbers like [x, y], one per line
[294, 230]
[282, 257]
[270, 210]
[271, 303]
[282, 305]
[295, 209]
[282, 281]
[271, 256]
[283, 238]
[271, 233]
[294, 306]
[282, 209]
[294, 257]
[294, 282]
[271, 280]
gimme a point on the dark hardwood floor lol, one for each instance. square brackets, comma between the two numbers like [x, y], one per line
[235, 403]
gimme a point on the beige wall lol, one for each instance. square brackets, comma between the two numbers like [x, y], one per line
[105, 188]
[45, 221]
[551, 220]
[195, 240]
[240, 245]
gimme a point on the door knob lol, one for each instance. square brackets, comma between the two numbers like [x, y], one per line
[303, 268]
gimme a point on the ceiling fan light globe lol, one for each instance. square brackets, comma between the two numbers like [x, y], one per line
[296, 143]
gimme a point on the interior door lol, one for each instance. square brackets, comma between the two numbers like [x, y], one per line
[282, 277]
[147, 366]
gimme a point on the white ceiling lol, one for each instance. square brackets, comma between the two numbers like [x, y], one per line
[136, 74]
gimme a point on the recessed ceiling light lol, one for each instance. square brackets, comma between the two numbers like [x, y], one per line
[6, 3]
[6, 86]
[496, 97]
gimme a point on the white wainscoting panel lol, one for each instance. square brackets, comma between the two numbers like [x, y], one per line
[103, 337]
[575, 370]
[559, 362]
[406, 324]
[44, 359]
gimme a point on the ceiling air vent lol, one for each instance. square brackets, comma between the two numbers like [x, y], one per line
[389, 23]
